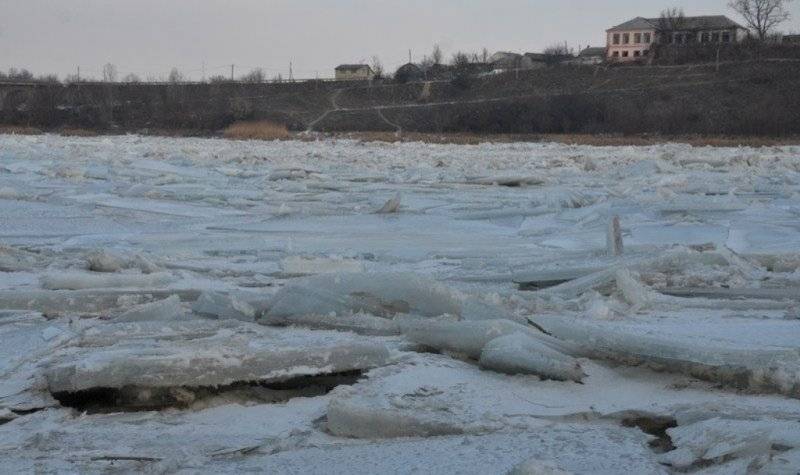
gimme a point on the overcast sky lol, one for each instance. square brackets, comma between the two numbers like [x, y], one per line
[149, 37]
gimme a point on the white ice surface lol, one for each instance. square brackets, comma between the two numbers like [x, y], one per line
[241, 219]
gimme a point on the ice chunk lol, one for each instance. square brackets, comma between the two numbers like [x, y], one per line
[391, 206]
[225, 307]
[82, 301]
[642, 297]
[347, 418]
[473, 309]
[301, 266]
[290, 174]
[360, 323]
[771, 370]
[719, 440]
[377, 294]
[518, 353]
[15, 260]
[106, 261]
[168, 309]
[84, 280]
[8, 193]
[614, 237]
[511, 181]
[51, 332]
[203, 353]
[467, 338]
[7, 415]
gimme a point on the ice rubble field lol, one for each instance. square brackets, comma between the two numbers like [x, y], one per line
[333, 306]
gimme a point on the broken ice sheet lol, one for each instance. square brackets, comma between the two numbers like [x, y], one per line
[735, 365]
[434, 395]
[70, 280]
[167, 309]
[720, 440]
[520, 353]
[376, 294]
[195, 354]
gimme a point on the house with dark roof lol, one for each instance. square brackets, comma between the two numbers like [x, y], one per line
[791, 40]
[409, 72]
[354, 72]
[634, 39]
[505, 60]
[590, 55]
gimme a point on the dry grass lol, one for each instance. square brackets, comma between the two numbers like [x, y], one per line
[258, 130]
[571, 139]
[19, 130]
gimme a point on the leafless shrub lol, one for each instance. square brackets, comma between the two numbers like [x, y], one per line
[255, 76]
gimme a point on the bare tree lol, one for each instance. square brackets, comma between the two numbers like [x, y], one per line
[761, 15]
[175, 76]
[22, 75]
[109, 73]
[48, 78]
[485, 56]
[670, 21]
[560, 49]
[254, 76]
[278, 78]
[436, 55]
[460, 59]
[556, 53]
[377, 67]
[219, 78]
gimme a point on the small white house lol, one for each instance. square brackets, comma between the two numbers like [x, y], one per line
[354, 72]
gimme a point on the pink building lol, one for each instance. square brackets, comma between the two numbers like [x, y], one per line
[634, 39]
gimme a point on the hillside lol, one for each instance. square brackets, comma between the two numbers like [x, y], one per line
[747, 98]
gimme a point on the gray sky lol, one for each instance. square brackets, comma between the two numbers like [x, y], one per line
[149, 37]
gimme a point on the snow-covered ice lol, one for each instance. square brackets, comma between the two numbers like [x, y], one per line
[333, 306]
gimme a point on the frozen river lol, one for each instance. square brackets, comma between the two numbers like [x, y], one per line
[337, 306]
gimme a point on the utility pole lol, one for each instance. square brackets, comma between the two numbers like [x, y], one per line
[204, 71]
[291, 73]
[409, 55]
[79, 74]
[232, 66]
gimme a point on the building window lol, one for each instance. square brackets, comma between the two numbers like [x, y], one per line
[715, 37]
[704, 37]
[626, 38]
[637, 38]
[726, 37]
[645, 52]
[615, 54]
[637, 54]
[624, 54]
[648, 38]
[616, 38]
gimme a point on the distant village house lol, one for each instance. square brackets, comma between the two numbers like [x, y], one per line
[791, 40]
[591, 55]
[634, 39]
[354, 72]
[506, 60]
[409, 72]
